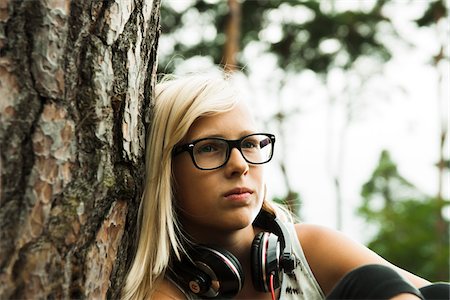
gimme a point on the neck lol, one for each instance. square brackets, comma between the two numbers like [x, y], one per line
[231, 240]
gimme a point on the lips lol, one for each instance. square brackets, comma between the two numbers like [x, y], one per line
[238, 194]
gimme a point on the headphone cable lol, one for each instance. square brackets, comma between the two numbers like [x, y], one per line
[272, 291]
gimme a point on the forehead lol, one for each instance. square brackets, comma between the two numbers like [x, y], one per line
[231, 124]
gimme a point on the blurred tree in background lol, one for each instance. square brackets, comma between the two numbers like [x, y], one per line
[405, 217]
[311, 35]
[436, 17]
[406, 222]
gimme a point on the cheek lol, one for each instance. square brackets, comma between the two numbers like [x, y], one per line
[260, 182]
[185, 189]
[188, 186]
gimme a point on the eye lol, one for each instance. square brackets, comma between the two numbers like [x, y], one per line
[250, 143]
[208, 147]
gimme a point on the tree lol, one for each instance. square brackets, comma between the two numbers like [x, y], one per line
[233, 31]
[405, 221]
[408, 219]
[300, 46]
[436, 16]
[76, 79]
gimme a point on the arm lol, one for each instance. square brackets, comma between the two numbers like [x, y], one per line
[331, 255]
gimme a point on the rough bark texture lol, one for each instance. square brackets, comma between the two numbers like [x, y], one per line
[76, 81]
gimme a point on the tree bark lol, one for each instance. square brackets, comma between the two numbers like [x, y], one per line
[76, 82]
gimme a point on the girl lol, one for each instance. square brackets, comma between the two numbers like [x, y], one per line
[206, 228]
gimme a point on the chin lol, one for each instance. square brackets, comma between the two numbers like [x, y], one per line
[240, 221]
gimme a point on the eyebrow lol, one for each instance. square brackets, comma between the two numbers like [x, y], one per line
[219, 135]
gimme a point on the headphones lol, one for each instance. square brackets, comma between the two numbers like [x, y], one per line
[212, 272]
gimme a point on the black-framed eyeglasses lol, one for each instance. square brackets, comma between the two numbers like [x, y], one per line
[213, 153]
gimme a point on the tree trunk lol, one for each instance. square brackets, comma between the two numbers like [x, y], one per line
[232, 33]
[76, 79]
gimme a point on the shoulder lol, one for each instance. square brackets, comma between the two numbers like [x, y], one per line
[311, 235]
[320, 238]
[166, 290]
[331, 254]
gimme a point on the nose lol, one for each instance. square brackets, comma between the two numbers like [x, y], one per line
[236, 164]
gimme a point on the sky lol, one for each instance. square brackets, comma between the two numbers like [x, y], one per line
[399, 110]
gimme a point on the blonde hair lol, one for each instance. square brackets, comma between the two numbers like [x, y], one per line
[178, 103]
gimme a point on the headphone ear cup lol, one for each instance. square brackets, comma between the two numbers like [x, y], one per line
[265, 257]
[190, 277]
[224, 269]
[257, 263]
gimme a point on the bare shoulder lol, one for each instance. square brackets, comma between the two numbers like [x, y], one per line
[320, 238]
[331, 254]
[166, 290]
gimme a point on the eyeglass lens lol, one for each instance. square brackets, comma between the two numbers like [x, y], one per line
[213, 152]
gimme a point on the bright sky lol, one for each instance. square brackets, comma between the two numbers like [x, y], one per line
[398, 110]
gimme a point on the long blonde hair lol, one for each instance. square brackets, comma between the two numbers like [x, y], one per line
[178, 103]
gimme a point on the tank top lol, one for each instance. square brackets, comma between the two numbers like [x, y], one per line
[301, 284]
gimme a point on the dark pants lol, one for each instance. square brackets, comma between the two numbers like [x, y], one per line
[381, 282]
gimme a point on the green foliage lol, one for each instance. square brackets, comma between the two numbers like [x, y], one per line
[386, 181]
[411, 232]
[353, 33]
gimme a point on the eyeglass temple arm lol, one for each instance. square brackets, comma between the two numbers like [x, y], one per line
[265, 142]
[179, 149]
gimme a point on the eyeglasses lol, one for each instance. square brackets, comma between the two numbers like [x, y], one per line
[213, 153]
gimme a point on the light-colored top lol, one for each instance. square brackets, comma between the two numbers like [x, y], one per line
[300, 285]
